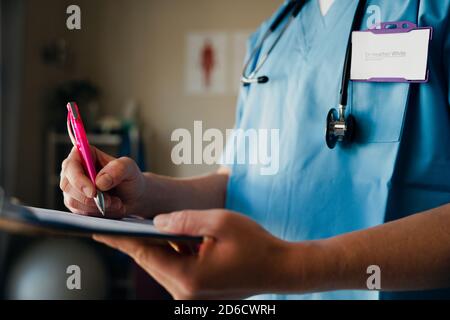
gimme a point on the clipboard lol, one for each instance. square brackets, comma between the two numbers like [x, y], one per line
[395, 52]
[43, 222]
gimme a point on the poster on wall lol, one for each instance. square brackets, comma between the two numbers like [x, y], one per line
[206, 63]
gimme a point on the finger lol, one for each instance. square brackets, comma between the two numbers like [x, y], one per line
[163, 264]
[67, 189]
[114, 207]
[115, 172]
[155, 257]
[79, 208]
[191, 222]
[74, 172]
[111, 203]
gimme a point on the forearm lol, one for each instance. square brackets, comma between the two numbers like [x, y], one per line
[165, 194]
[412, 253]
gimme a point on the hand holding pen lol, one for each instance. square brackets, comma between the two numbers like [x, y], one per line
[78, 136]
[119, 180]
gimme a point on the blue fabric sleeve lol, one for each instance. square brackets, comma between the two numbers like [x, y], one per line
[446, 56]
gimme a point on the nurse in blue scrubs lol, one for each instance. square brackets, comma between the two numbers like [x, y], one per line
[329, 220]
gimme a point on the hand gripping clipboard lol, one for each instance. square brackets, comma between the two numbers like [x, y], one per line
[396, 52]
[38, 222]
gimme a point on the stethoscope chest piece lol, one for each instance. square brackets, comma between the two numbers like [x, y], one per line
[339, 128]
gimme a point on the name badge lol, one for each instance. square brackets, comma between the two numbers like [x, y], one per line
[397, 52]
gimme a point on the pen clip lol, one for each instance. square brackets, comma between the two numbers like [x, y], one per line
[70, 130]
[73, 110]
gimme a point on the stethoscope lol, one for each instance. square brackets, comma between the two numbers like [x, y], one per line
[339, 127]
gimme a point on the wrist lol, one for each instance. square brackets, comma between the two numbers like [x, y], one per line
[159, 195]
[308, 267]
[143, 202]
[286, 267]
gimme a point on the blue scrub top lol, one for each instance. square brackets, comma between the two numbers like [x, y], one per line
[400, 162]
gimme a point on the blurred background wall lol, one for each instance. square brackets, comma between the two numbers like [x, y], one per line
[127, 53]
[132, 50]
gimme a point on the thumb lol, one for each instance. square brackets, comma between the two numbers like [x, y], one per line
[115, 172]
[190, 222]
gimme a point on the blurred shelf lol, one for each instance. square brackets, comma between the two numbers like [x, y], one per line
[94, 139]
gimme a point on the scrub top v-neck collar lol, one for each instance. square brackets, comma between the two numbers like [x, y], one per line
[325, 6]
[312, 25]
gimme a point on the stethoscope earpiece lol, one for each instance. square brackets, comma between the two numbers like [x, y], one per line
[260, 80]
[263, 79]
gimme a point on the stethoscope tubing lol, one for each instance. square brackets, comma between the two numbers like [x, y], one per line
[293, 7]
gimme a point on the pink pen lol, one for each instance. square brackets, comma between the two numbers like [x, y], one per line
[79, 139]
